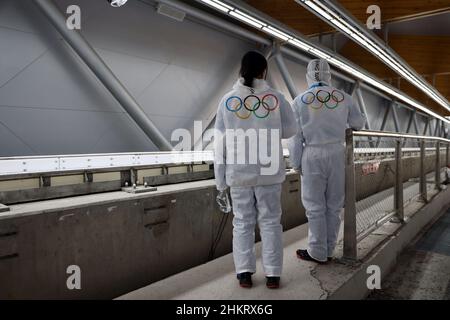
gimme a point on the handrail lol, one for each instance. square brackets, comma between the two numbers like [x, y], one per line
[386, 134]
[351, 237]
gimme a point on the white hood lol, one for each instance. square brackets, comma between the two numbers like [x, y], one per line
[318, 71]
[259, 86]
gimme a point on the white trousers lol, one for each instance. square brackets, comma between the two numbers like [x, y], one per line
[323, 193]
[260, 204]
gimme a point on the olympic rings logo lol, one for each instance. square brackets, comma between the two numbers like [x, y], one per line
[324, 97]
[252, 104]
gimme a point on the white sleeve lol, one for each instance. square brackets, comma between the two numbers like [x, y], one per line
[295, 144]
[220, 150]
[288, 122]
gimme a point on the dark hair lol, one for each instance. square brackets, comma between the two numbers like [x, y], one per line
[253, 65]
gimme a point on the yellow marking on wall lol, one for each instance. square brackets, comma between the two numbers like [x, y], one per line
[150, 172]
[178, 170]
[201, 167]
[66, 180]
[106, 177]
[23, 184]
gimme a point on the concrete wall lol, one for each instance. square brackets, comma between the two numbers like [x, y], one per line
[120, 246]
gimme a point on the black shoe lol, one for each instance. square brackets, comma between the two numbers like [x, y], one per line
[304, 255]
[245, 280]
[273, 282]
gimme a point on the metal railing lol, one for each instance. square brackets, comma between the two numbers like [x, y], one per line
[359, 221]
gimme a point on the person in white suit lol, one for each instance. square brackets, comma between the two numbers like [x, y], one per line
[258, 117]
[318, 152]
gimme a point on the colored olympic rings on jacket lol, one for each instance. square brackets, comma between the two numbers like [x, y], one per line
[252, 104]
[308, 98]
[324, 97]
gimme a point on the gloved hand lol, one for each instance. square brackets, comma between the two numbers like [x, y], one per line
[223, 200]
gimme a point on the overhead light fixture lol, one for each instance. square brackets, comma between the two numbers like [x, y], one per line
[117, 3]
[312, 49]
[277, 33]
[354, 32]
[247, 19]
[218, 5]
[171, 12]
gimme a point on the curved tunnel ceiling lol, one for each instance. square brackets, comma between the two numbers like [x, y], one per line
[423, 47]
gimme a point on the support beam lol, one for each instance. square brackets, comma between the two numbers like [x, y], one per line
[437, 177]
[350, 234]
[436, 128]
[395, 116]
[425, 129]
[334, 42]
[362, 106]
[103, 73]
[383, 124]
[398, 188]
[410, 123]
[423, 174]
[416, 125]
[353, 87]
[293, 90]
[386, 33]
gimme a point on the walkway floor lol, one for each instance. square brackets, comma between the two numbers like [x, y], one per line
[216, 280]
[422, 271]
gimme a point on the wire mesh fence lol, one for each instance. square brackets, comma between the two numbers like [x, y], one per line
[375, 174]
[385, 174]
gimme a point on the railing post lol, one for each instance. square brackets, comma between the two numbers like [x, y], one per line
[438, 166]
[350, 241]
[398, 194]
[447, 163]
[423, 174]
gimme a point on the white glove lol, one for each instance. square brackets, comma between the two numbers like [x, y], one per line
[223, 200]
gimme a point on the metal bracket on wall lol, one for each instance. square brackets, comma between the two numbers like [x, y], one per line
[139, 189]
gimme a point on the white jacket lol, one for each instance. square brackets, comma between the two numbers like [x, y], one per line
[250, 124]
[323, 114]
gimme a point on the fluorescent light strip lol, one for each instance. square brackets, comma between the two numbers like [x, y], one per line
[250, 18]
[345, 27]
[301, 45]
[218, 5]
[247, 18]
[322, 12]
[277, 33]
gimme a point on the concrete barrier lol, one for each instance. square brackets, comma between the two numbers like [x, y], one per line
[123, 241]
